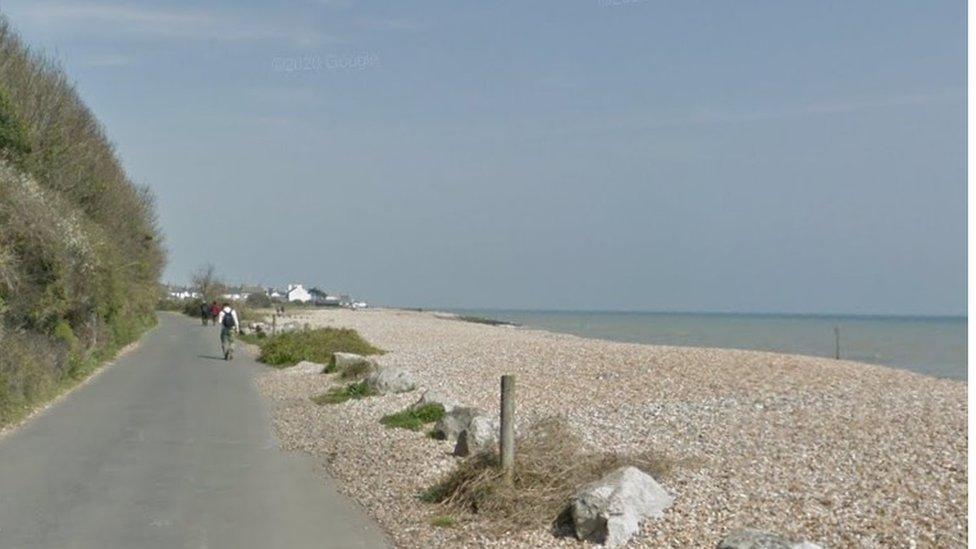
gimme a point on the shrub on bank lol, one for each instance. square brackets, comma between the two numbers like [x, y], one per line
[80, 251]
[316, 345]
[339, 395]
[258, 301]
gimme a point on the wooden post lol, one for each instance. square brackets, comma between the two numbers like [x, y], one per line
[837, 342]
[274, 324]
[507, 438]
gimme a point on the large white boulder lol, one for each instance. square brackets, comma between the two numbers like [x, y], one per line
[481, 435]
[431, 396]
[455, 421]
[748, 538]
[390, 379]
[612, 509]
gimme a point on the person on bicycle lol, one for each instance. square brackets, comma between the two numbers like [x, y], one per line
[229, 324]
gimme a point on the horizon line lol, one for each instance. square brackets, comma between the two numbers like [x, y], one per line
[700, 312]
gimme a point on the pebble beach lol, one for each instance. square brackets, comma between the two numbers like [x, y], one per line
[840, 453]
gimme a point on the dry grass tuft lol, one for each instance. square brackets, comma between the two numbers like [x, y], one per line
[550, 466]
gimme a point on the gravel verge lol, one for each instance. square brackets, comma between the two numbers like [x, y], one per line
[838, 452]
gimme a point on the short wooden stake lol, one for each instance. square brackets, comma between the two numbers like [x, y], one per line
[274, 325]
[837, 342]
[507, 438]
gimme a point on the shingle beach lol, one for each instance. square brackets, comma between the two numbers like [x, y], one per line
[840, 453]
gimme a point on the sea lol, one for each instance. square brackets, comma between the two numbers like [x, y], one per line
[934, 346]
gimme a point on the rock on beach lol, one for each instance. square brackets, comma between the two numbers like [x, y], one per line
[455, 421]
[390, 379]
[481, 435]
[611, 510]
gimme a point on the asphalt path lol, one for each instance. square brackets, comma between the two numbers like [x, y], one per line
[170, 446]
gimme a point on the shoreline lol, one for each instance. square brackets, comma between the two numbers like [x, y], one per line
[801, 445]
[485, 315]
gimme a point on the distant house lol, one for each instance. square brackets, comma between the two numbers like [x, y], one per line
[182, 293]
[297, 293]
[323, 299]
[241, 293]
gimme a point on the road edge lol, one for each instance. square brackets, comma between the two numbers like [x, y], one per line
[43, 407]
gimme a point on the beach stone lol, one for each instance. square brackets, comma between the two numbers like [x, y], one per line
[457, 420]
[611, 510]
[431, 396]
[481, 435]
[390, 379]
[749, 538]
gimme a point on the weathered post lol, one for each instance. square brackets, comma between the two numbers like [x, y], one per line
[274, 324]
[837, 342]
[507, 438]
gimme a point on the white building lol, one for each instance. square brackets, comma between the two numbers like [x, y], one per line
[183, 293]
[297, 293]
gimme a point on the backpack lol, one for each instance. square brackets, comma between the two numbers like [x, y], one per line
[229, 319]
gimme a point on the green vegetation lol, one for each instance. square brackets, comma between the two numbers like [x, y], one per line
[80, 251]
[259, 301]
[358, 370]
[443, 521]
[342, 394]
[550, 466]
[313, 345]
[414, 419]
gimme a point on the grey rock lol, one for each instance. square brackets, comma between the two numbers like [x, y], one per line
[457, 420]
[431, 396]
[390, 379]
[749, 538]
[481, 435]
[612, 509]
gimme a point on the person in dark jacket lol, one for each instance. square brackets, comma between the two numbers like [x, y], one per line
[205, 312]
[214, 312]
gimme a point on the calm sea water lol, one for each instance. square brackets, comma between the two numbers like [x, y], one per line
[933, 346]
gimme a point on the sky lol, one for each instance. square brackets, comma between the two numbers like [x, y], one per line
[753, 156]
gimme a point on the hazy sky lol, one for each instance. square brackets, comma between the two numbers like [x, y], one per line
[657, 155]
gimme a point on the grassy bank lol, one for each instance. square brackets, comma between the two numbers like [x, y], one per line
[80, 251]
[316, 345]
[312, 345]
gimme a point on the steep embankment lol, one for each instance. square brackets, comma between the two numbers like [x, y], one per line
[80, 252]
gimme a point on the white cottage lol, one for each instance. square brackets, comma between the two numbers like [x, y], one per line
[297, 293]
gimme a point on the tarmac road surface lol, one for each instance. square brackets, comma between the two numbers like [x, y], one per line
[171, 446]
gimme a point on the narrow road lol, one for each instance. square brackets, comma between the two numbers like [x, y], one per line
[170, 447]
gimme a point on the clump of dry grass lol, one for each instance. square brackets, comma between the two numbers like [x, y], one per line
[551, 464]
